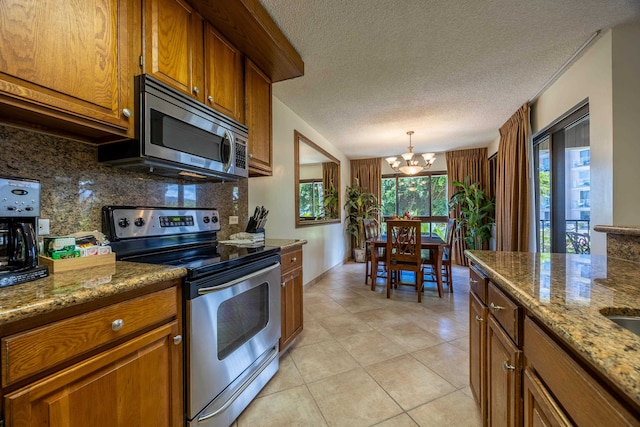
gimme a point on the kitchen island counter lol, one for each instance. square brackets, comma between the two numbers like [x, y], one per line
[73, 288]
[570, 294]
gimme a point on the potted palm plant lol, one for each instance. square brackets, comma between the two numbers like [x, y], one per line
[360, 204]
[474, 213]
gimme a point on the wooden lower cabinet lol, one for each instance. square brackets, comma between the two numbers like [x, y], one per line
[540, 409]
[503, 365]
[478, 313]
[292, 308]
[133, 384]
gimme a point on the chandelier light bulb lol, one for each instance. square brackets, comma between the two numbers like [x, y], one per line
[412, 165]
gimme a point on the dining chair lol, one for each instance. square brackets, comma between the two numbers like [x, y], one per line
[403, 252]
[372, 232]
[446, 257]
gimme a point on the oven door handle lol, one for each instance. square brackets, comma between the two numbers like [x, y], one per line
[203, 291]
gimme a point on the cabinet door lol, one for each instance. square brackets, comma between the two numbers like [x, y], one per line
[540, 409]
[173, 45]
[138, 383]
[504, 404]
[67, 60]
[291, 307]
[258, 119]
[477, 351]
[223, 74]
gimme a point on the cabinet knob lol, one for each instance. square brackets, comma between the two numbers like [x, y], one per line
[283, 284]
[472, 280]
[250, 156]
[294, 259]
[210, 98]
[196, 90]
[507, 367]
[126, 112]
[117, 324]
[177, 339]
[494, 307]
[478, 318]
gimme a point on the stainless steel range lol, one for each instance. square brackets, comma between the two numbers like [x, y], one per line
[231, 303]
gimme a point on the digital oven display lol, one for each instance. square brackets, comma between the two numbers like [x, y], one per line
[176, 221]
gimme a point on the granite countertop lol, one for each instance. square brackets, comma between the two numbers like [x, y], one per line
[285, 243]
[628, 230]
[569, 293]
[70, 288]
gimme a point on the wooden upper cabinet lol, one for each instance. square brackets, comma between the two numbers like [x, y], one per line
[173, 45]
[258, 119]
[67, 63]
[223, 74]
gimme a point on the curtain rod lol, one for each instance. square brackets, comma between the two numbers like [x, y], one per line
[566, 65]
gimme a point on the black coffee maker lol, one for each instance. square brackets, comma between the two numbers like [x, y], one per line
[19, 211]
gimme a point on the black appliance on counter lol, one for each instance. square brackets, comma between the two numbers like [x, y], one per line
[19, 211]
[231, 303]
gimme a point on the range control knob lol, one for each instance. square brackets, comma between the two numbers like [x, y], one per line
[214, 219]
[206, 219]
[123, 222]
[139, 222]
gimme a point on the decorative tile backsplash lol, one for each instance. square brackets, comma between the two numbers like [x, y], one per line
[74, 186]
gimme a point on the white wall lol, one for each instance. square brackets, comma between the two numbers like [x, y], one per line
[589, 77]
[626, 124]
[327, 244]
[608, 74]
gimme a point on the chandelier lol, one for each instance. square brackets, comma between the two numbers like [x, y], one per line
[413, 165]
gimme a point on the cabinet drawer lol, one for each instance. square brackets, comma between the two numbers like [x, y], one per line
[478, 284]
[37, 350]
[291, 260]
[567, 380]
[506, 312]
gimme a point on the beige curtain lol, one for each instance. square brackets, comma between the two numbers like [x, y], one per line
[329, 174]
[461, 164]
[512, 184]
[329, 178]
[369, 173]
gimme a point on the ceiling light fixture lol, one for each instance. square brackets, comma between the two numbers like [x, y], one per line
[413, 165]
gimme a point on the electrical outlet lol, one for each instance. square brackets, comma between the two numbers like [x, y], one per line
[233, 220]
[43, 227]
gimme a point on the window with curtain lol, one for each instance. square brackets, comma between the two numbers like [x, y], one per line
[422, 196]
[311, 199]
[562, 163]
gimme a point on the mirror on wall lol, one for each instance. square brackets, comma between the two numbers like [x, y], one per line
[317, 181]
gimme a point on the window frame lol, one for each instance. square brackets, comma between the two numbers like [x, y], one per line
[427, 221]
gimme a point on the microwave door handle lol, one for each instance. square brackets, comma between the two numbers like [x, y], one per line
[210, 289]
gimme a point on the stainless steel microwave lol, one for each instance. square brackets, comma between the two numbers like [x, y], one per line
[179, 136]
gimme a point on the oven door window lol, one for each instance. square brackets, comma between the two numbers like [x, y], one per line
[175, 134]
[241, 317]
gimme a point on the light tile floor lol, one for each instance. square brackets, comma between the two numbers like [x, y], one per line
[365, 360]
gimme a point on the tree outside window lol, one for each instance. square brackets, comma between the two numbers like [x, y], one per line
[423, 196]
[311, 200]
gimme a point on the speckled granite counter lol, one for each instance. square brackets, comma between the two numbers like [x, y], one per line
[568, 293]
[622, 241]
[285, 243]
[61, 290]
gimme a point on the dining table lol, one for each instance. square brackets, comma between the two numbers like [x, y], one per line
[430, 242]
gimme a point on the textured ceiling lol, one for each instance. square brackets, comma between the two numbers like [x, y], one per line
[453, 71]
